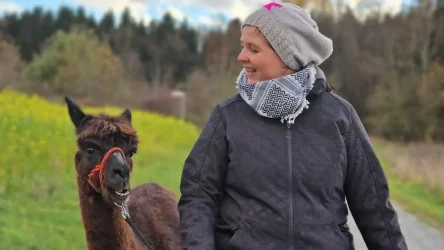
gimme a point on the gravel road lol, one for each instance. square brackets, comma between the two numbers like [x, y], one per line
[419, 236]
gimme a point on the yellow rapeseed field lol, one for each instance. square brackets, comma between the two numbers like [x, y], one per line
[38, 199]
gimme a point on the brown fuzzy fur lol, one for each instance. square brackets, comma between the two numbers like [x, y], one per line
[103, 125]
[152, 208]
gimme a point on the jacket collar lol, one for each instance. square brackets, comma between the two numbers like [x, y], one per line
[320, 85]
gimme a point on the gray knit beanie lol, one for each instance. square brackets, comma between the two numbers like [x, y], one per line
[292, 33]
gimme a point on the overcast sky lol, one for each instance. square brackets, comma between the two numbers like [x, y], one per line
[207, 12]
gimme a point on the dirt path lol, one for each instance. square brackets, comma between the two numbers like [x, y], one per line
[419, 236]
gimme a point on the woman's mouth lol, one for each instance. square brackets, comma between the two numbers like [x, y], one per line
[250, 71]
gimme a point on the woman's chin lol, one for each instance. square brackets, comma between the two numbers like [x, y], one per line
[252, 80]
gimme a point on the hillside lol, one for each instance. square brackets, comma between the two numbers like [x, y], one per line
[39, 207]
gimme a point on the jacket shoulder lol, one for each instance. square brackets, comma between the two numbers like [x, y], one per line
[346, 104]
[331, 108]
[221, 110]
[338, 103]
[230, 100]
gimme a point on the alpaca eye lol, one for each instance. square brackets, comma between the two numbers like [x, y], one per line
[90, 151]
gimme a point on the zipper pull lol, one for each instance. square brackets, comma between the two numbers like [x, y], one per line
[288, 125]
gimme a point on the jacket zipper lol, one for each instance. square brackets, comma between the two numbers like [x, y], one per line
[290, 193]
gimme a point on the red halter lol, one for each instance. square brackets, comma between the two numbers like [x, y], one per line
[101, 167]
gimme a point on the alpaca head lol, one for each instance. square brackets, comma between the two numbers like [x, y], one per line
[105, 147]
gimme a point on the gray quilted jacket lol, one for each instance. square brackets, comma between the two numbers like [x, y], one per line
[253, 183]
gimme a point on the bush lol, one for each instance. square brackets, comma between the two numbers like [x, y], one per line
[76, 63]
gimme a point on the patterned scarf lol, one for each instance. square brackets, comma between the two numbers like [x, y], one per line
[283, 97]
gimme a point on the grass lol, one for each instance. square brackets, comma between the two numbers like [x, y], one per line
[38, 198]
[413, 192]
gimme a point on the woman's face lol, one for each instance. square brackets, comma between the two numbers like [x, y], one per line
[258, 58]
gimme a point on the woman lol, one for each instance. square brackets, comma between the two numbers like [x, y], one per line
[274, 164]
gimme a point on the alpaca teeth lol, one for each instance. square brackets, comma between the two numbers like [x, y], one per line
[122, 194]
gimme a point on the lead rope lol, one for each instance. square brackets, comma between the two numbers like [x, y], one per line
[127, 218]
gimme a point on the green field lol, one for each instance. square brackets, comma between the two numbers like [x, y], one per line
[38, 198]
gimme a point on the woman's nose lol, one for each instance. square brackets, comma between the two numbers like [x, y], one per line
[242, 57]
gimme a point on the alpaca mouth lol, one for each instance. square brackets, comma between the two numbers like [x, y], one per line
[124, 193]
[120, 196]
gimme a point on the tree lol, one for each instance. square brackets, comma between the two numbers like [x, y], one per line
[107, 23]
[65, 18]
[405, 107]
[78, 64]
[221, 49]
[10, 63]
[189, 55]
[127, 20]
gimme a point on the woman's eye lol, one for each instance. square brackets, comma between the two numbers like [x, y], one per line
[90, 151]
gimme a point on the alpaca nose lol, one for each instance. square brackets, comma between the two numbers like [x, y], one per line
[118, 165]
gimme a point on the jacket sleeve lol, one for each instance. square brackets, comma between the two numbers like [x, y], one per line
[367, 192]
[202, 185]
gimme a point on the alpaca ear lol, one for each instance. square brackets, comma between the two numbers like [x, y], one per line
[75, 112]
[127, 114]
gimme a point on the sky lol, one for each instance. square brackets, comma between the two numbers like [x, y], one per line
[207, 12]
[197, 12]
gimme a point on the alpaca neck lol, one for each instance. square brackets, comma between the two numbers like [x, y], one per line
[104, 226]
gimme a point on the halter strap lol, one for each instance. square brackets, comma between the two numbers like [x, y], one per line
[101, 167]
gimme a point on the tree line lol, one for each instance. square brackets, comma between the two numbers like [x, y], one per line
[391, 68]
[171, 50]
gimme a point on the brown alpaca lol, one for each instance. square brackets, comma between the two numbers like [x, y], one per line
[153, 209]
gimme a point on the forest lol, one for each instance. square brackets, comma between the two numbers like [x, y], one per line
[390, 67]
